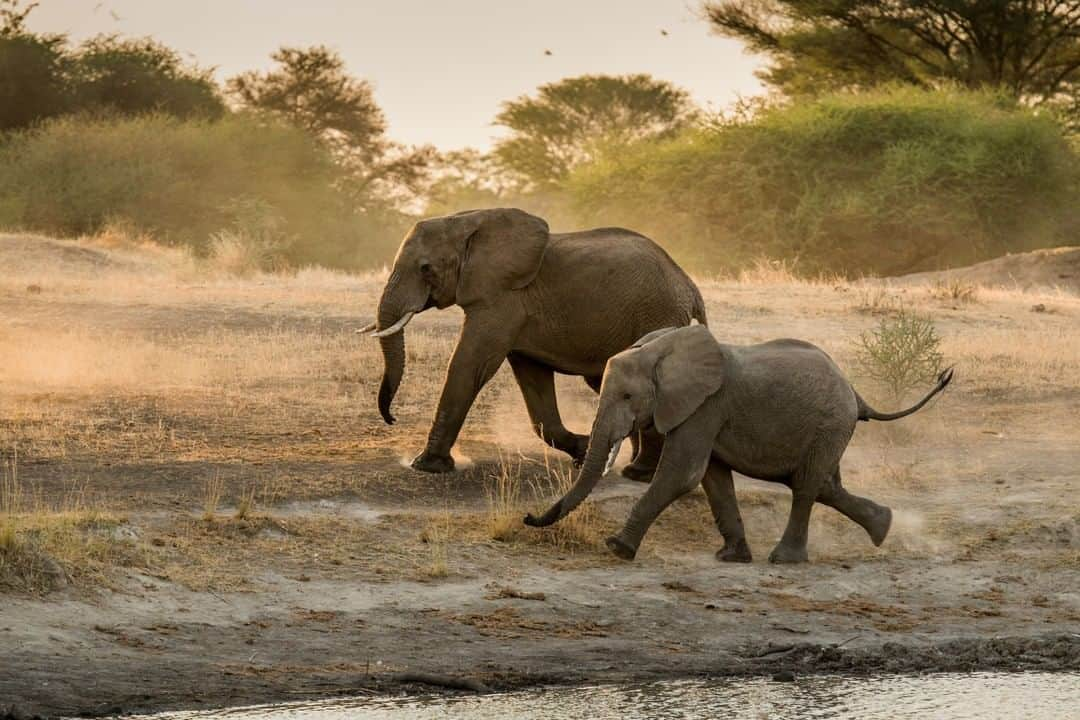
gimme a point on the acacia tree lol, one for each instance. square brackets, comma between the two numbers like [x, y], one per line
[567, 123]
[310, 88]
[1030, 48]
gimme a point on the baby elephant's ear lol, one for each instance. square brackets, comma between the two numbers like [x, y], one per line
[689, 370]
[649, 337]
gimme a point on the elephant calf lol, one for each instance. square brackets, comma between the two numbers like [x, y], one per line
[779, 411]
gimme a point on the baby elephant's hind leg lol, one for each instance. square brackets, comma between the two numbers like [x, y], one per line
[875, 519]
[720, 490]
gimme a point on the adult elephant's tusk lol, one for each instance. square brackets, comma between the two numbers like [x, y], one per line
[611, 457]
[367, 328]
[396, 327]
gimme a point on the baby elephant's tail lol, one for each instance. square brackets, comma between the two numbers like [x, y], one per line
[868, 413]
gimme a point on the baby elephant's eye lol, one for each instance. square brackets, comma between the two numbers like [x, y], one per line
[425, 267]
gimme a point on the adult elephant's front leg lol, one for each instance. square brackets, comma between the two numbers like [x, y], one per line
[537, 383]
[483, 345]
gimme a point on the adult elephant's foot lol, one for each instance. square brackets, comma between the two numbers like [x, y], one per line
[427, 462]
[621, 548]
[578, 449]
[737, 551]
[638, 473]
[785, 555]
[879, 524]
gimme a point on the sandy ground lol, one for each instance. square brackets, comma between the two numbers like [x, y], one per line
[208, 511]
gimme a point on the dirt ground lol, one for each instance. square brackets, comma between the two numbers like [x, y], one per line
[199, 505]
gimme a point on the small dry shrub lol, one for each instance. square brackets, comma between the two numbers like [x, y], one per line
[436, 536]
[876, 300]
[504, 501]
[245, 504]
[954, 291]
[902, 352]
[765, 271]
[213, 489]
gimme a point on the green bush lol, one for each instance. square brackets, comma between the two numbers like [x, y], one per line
[902, 352]
[883, 182]
[184, 182]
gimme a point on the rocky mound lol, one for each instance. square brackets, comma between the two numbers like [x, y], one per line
[1053, 267]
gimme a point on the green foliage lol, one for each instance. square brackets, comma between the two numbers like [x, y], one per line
[902, 353]
[32, 69]
[138, 76]
[571, 121]
[1029, 49]
[186, 181]
[42, 76]
[886, 182]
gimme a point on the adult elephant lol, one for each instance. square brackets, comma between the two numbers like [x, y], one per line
[547, 302]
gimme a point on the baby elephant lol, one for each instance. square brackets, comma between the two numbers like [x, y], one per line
[779, 411]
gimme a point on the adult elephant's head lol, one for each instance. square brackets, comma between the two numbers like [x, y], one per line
[660, 381]
[465, 259]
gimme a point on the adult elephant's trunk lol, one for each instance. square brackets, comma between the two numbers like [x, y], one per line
[401, 298]
[604, 443]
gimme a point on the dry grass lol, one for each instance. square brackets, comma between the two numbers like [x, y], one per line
[504, 500]
[437, 538]
[954, 290]
[245, 503]
[213, 489]
[512, 490]
[46, 546]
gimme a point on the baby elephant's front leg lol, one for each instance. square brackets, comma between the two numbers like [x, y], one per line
[720, 490]
[682, 463]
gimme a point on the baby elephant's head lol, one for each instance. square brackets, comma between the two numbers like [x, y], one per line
[661, 380]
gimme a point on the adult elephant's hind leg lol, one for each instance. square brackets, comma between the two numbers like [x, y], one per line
[875, 519]
[647, 453]
[537, 383]
[720, 490]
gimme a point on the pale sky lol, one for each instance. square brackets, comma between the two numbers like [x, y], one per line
[440, 69]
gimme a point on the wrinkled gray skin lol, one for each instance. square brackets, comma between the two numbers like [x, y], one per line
[546, 302]
[779, 411]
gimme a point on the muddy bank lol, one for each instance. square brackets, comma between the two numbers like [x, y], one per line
[170, 683]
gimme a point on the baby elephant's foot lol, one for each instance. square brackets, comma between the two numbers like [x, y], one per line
[879, 525]
[621, 548]
[786, 555]
[737, 551]
[638, 473]
[433, 463]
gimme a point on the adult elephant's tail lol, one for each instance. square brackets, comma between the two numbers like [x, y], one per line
[868, 413]
[697, 309]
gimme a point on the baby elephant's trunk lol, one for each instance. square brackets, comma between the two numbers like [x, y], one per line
[868, 413]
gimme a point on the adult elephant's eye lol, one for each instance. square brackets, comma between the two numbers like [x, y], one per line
[425, 268]
[626, 396]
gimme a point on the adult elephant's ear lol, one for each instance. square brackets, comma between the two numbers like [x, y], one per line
[503, 251]
[689, 368]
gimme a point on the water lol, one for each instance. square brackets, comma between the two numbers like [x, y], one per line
[947, 696]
